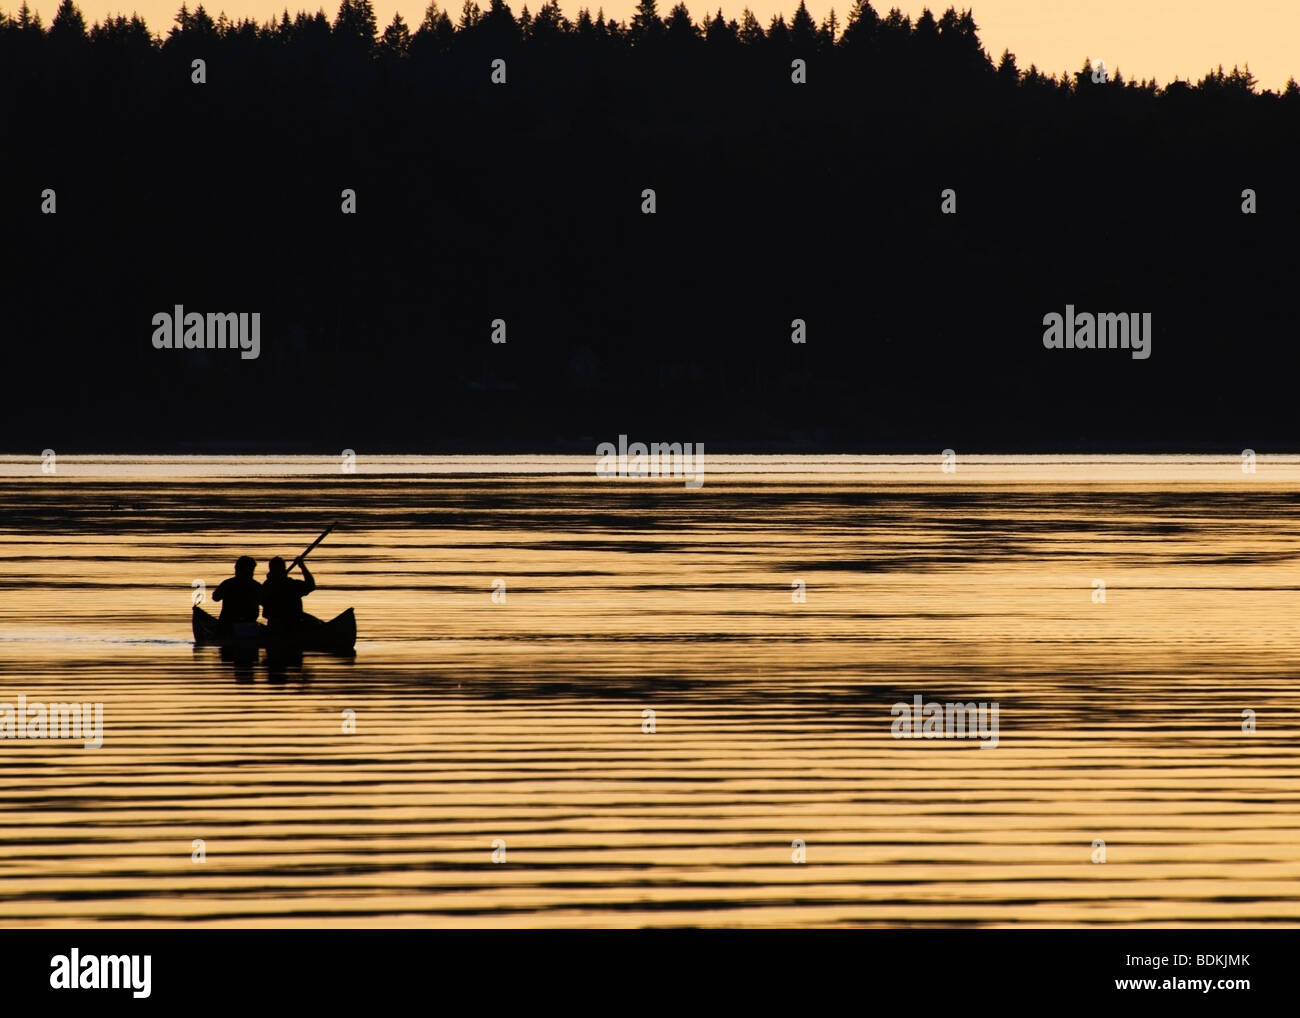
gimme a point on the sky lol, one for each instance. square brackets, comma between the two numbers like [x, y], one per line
[1163, 39]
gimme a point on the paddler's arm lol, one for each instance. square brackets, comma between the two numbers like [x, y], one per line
[307, 578]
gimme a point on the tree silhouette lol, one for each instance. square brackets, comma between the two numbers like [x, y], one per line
[68, 25]
[1008, 73]
[550, 25]
[803, 30]
[498, 23]
[646, 27]
[434, 36]
[778, 34]
[720, 35]
[829, 32]
[862, 25]
[396, 40]
[355, 26]
[679, 29]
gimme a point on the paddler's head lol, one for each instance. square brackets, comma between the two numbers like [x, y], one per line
[244, 566]
[275, 568]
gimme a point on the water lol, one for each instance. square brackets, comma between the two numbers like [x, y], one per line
[523, 721]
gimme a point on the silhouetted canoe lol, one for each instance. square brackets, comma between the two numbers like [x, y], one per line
[338, 635]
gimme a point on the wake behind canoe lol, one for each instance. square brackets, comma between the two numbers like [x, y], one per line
[337, 636]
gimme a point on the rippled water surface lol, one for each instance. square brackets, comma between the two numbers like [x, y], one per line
[1120, 721]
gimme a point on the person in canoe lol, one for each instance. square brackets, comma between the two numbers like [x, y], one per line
[240, 595]
[282, 600]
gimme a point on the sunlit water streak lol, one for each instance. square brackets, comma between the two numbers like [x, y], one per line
[523, 721]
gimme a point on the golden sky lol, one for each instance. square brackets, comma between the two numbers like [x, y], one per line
[1144, 38]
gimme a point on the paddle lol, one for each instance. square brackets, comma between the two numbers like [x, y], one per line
[298, 560]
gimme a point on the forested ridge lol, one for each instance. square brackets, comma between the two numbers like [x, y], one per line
[798, 171]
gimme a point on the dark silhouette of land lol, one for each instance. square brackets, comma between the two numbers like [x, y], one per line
[523, 202]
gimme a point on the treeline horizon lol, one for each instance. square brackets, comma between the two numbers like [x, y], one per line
[356, 27]
[814, 193]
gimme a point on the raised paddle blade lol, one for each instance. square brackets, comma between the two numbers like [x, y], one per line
[310, 547]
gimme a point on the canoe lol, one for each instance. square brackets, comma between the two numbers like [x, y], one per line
[337, 636]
